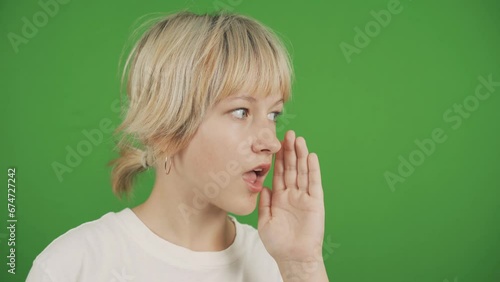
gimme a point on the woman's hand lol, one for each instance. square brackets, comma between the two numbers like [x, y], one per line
[292, 216]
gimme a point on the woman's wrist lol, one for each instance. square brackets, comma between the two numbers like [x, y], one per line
[311, 270]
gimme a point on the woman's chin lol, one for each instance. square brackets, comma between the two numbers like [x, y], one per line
[243, 210]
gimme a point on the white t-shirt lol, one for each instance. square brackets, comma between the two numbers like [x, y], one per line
[119, 247]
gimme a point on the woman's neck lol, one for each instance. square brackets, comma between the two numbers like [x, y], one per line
[167, 214]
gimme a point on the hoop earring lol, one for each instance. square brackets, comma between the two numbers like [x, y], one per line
[169, 167]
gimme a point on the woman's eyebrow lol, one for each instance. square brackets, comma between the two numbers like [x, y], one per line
[253, 100]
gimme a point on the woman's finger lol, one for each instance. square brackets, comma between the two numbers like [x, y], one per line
[302, 167]
[290, 161]
[279, 171]
[315, 186]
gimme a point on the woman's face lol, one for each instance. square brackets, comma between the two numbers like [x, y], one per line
[237, 135]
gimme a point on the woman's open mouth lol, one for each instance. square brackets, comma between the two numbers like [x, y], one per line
[255, 177]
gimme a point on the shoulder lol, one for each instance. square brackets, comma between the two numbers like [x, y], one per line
[78, 246]
[83, 236]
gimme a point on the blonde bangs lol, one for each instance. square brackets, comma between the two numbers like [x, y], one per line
[254, 62]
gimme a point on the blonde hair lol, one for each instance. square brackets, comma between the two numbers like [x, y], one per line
[180, 67]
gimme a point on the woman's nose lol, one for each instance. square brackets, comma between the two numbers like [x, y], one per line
[266, 140]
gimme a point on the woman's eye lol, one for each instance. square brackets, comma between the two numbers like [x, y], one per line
[276, 115]
[241, 111]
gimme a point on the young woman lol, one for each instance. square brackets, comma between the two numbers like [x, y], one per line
[204, 92]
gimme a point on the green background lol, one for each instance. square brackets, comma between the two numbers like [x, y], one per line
[358, 113]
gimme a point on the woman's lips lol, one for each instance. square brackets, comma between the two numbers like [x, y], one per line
[254, 181]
